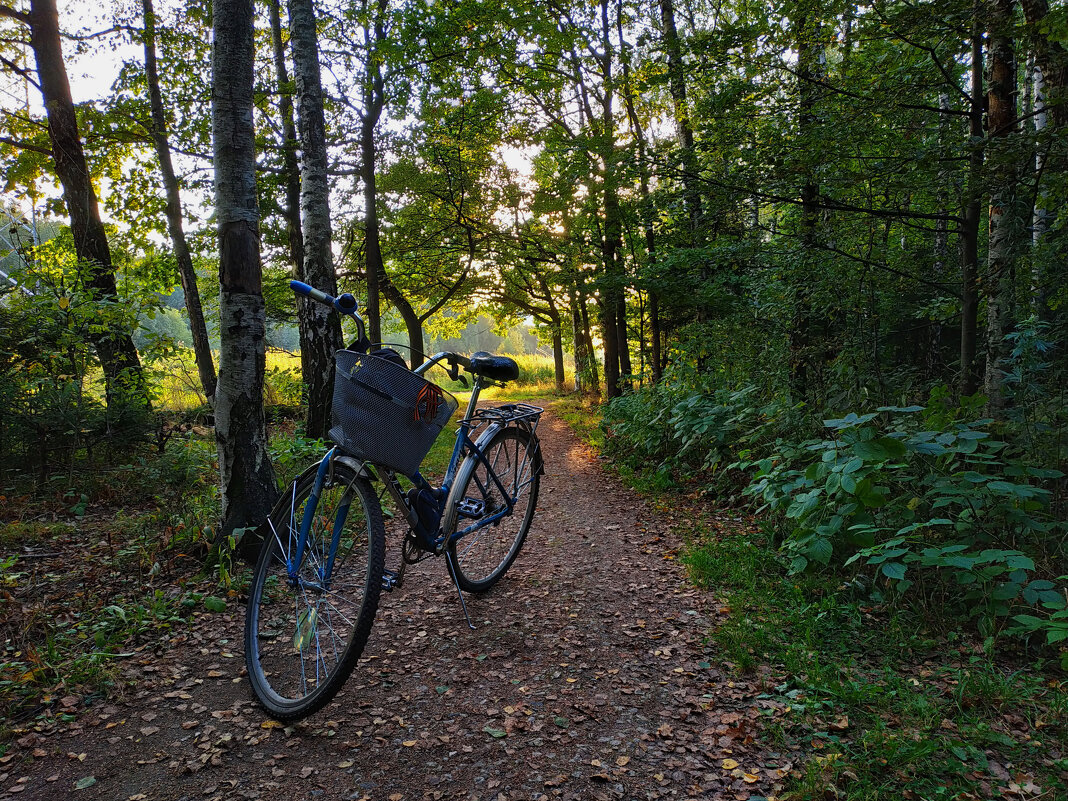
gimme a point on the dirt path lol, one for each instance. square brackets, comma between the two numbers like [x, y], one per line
[588, 678]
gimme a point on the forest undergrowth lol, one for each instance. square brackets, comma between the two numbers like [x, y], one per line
[892, 694]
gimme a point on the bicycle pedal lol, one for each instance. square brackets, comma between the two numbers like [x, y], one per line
[391, 579]
[471, 508]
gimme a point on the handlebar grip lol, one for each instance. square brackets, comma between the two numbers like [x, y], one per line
[309, 291]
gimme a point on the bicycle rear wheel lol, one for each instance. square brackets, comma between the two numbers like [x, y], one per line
[306, 625]
[480, 558]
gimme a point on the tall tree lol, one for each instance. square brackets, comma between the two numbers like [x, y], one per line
[1003, 228]
[201, 345]
[322, 336]
[114, 345]
[246, 474]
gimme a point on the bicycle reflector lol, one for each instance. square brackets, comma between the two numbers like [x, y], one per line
[427, 403]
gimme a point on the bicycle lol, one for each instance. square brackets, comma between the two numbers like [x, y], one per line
[321, 570]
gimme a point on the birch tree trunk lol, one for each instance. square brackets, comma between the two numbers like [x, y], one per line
[114, 346]
[323, 325]
[175, 226]
[291, 168]
[245, 471]
[1039, 214]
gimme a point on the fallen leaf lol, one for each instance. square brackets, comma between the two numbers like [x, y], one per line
[84, 782]
[623, 760]
[729, 764]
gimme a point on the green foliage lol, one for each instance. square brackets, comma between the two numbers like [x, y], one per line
[912, 502]
[683, 424]
[50, 383]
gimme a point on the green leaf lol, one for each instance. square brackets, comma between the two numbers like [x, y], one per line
[306, 628]
[495, 733]
[894, 570]
[85, 782]
[821, 550]
[1020, 562]
[215, 604]
[1005, 591]
[870, 451]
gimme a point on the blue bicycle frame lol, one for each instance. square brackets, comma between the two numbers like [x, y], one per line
[465, 447]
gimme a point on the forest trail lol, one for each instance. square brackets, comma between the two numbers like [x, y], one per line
[589, 677]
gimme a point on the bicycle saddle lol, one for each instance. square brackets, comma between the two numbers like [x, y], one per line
[496, 368]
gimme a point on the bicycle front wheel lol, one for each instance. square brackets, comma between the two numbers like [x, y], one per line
[307, 624]
[479, 559]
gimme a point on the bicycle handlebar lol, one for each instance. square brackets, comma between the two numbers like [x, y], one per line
[343, 304]
[346, 303]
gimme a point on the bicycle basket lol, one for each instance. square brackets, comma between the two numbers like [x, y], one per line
[384, 413]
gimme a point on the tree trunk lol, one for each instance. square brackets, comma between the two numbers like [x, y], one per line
[558, 355]
[201, 345]
[1002, 231]
[323, 324]
[581, 367]
[648, 208]
[118, 356]
[595, 379]
[291, 168]
[374, 100]
[1039, 214]
[246, 474]
[412, 324]
[613, 324]
[969, 379]
[803, 324]
[289, 149]
[683, 126]
[1051, 57]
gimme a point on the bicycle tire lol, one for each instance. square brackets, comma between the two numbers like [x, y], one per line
[294, 625]
[479, 559]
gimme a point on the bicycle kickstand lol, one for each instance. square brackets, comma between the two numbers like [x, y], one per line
[463, 603]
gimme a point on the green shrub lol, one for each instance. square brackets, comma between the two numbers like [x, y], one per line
[913, 495]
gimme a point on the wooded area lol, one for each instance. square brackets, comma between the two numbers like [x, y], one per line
[812, 256]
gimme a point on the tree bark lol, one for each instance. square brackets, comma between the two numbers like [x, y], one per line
[291, 170]
[802, 327]
[1002, 231]
[683, 126]
[1039, 214]
[412, 322]
[648, 210]
[324, 327]
[201, 345]
[613, 325]
[595, 380]
[291, 166]
[374, 101]
[118, 357]
[246, 474]
[969, 379]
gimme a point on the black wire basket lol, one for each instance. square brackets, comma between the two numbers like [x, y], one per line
[384, 413]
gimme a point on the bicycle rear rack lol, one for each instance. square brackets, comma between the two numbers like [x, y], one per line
[523, 413]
